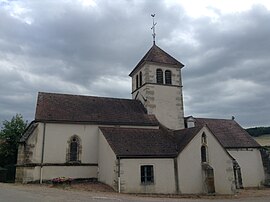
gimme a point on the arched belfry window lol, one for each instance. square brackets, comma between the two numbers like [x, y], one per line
[74, 149]
[204, 154]
[140, 79]
[159, 75]
[168, 77]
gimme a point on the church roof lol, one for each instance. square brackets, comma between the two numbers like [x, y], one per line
[229, 133]
[157, 55]
[139, 142]
[55, 107]
[184, 136]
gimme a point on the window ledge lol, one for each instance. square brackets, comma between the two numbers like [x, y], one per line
[74, 162]
[147, 183]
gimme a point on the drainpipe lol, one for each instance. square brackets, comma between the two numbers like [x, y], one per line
[119, 179]
[42, 154]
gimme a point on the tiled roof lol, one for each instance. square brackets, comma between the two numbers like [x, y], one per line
[184, 136]
[229, 133]
[157, 55]
[138, 142]
[99, 110]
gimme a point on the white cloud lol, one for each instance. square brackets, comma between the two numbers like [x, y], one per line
[215, 8]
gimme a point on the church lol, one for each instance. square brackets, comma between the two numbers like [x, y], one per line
[139, 145]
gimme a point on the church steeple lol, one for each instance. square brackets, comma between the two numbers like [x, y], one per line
[156, 82]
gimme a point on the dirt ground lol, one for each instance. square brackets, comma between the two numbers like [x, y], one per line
[98, 187]
[91, 186]
[98, 192]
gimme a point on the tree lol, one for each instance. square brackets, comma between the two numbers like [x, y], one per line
[10, 135]
[258, 131]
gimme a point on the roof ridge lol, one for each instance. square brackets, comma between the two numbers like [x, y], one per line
[213, 118]
[98, 97]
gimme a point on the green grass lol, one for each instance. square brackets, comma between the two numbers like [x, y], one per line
[263, 140]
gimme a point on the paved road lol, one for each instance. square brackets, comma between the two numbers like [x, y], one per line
[20, 193]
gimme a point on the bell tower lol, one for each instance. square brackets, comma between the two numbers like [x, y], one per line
[156, 82]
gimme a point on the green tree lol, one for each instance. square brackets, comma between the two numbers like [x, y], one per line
[258, 131]
[10, 135]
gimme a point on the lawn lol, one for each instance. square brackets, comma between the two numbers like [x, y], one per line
[263, 140]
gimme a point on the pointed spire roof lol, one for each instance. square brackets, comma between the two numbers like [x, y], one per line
[157, 55]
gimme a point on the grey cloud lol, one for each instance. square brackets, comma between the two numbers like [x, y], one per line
[233, 51]
[91, 50]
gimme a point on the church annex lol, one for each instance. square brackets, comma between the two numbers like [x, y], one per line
[139, 145]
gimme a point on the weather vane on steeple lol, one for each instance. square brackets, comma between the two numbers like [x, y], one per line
[153, 28]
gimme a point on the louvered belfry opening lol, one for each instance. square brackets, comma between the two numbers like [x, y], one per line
[159, 76]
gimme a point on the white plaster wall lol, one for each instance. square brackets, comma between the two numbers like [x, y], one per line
[165, 101]
[190, 168]
[251, 165]
[168, 106]
[222, 163]
[36, 140]
[30, 174]
[57, 137]
[50, 172]
[106, 162]
[35, 143]
[164, 181]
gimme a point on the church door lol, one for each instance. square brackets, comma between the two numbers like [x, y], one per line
[210, 182]
[237, 175]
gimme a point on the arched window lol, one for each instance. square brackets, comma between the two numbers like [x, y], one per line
[204, 141]
[203, 154]
[137, 82]
[168, 77]
[140, 79]
[74, 149]
[159, 75]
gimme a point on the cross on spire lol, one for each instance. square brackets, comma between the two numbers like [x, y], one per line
[153, 28]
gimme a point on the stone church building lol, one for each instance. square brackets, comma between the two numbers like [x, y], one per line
[139, 145]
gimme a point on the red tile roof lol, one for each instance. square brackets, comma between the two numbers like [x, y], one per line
[99, 110]
[157, 55]
[228, 132]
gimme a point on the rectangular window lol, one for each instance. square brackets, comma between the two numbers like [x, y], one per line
[147, 174]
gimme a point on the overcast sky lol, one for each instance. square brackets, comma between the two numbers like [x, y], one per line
[89, 47]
